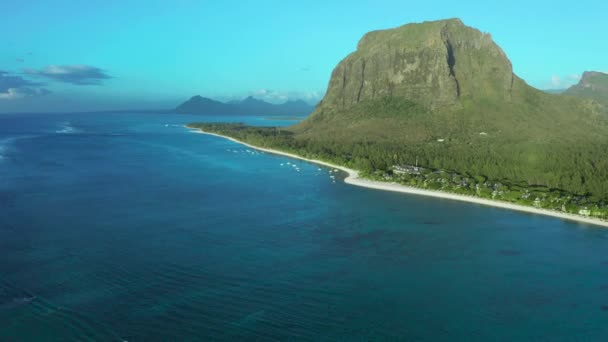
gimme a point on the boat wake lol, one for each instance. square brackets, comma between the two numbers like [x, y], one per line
[8, 148]
[29, 308]
[17, 302]
[67, 128]
[5, 145]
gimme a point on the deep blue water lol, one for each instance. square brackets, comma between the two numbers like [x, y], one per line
[130, 227]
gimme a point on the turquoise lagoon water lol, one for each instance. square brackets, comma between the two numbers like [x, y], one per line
[130, 227]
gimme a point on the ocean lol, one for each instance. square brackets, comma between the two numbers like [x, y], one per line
[128, 226]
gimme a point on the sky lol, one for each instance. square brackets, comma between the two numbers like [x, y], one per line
[105, 55]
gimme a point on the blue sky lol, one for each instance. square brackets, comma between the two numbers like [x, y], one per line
[76, 55]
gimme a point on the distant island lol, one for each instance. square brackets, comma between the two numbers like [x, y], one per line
[249, 106]
[436, 106]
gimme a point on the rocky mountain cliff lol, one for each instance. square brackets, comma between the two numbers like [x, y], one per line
[433, 64]
[435, 79]
[593, 85]
[444, 95]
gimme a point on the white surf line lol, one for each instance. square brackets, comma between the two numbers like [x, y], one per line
[354, 179]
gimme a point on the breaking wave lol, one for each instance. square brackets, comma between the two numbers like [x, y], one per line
[4, 147]
[67, 128]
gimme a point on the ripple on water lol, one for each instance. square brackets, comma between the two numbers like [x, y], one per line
[7, 198]
[67, 128]
[7, 145]
[509, 252]
[19, 307]
[4, 147]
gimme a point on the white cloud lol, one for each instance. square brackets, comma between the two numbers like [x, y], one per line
[18, 93]
[563, 82]
[259, 92]
[10, 94]
[274, 96]
[16, 87]
[575, 77]
[74, 74]
[556, 81]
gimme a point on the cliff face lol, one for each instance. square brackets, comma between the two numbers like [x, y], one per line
[595, 80]
[445, 94]
[433, 64]
[593, 85]
[421, 82]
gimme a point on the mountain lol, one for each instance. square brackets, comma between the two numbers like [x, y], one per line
[435, 79]
[593, 85]
[433, 64]
[202, 105]
[249, 106]
[445, 95]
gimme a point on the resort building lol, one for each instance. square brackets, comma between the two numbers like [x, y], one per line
[407, 169]
[585, 212]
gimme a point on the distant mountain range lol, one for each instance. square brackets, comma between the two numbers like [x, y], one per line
[249, 106]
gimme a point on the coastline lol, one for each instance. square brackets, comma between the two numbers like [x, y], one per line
[354, 179]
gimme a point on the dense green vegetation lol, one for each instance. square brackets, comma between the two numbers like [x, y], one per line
[516, 142]
[378, 161]
[445, 95]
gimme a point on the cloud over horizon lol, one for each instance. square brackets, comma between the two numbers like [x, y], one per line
[558, 82]
[16, 87]
[274, 96]
[73, 74]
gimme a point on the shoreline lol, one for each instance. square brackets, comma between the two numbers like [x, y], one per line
[354, 179]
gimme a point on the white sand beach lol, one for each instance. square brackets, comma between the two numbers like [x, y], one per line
[354, 179]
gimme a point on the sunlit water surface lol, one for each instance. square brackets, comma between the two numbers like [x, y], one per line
[130, 227]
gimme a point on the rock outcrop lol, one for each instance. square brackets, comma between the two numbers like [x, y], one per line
[433, 64]
[593, 85]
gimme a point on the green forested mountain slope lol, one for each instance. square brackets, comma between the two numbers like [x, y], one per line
[408, 87]
[445, 94]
